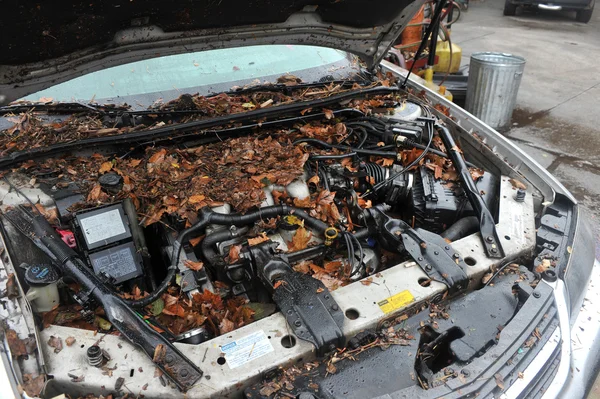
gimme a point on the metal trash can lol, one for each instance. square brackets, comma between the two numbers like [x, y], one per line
[494, 80]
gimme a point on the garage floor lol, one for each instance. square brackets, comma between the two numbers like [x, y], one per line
[557, 120]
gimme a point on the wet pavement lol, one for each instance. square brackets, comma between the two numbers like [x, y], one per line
[557, 120]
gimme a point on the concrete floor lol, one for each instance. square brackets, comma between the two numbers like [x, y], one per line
[558, 108]
[557, 120]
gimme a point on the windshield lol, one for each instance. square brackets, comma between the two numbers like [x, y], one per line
[142, 83]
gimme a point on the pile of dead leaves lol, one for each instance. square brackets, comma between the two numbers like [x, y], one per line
[179, 313]
[333, 274]
[36, 130]
[180, 182]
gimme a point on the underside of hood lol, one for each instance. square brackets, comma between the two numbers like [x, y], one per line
[48, 43]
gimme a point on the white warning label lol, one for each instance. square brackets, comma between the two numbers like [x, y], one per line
[245, 349]
[102, 226]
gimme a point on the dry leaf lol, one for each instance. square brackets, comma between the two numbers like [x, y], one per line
[257, 240]
[105, 167]
[300, 239]
[195, 266]
[517, 184]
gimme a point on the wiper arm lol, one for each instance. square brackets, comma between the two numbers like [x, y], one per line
[176, 130]
[62, 108]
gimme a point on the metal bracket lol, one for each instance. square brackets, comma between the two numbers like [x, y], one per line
[429, 250]
[306, 303]
[487, 225]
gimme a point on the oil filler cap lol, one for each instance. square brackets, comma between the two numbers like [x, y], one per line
[42, 274]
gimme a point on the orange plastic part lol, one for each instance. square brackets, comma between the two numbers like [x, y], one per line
[413, 34]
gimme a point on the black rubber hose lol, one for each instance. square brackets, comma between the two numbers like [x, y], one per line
[342, 147]
[207, 216]
[264, 213]
[216, 237]
[461, 228]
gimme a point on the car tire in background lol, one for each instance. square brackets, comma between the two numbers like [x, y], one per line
[510, 9]
[584, 15]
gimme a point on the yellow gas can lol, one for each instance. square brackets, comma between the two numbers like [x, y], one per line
[443, 53]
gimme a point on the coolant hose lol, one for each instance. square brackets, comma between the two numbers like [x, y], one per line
[461, 228]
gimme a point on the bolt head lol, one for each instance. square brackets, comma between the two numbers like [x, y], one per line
[536, 294]
[489, 239]
[297, 323]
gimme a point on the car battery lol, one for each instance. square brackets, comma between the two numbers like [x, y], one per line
[105, 236]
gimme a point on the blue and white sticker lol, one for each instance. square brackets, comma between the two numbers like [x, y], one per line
[243, 350]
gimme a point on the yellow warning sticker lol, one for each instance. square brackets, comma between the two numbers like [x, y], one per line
[397, 301]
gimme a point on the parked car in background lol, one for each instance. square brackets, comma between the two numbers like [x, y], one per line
[583, 8]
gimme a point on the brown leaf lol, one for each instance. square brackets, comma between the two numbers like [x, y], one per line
[476, 173]
[234, 253]
[174, 310]
[542, 267]
[196, 199]
[195, 266]
[12, 289]
[134, 162]
[331, 369]
[278, 284]
[94, 193]
[257, 240]
[105, 167]
[33, 386]
[51, 215]
[226, 326]
[517, 184]
[159, 353]
[56, 343]
[17, 345]
[499, 380]
[158, 156]
[367, 281]
[328, 113]
[300, 239]
[195, 241]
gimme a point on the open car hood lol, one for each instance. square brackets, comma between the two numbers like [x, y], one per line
[45, 44]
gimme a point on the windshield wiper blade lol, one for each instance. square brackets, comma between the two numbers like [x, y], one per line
[62, 108]
[174, 130]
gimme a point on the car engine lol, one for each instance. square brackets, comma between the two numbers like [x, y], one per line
[191, 237]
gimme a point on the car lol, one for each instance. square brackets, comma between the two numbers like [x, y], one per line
[243, 199]
[583, 8]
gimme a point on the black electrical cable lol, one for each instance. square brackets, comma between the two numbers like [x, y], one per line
[340, 147]
[497, 273]
[327, 157]
[407, 168]
[207, 216]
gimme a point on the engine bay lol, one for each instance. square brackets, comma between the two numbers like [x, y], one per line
[303, 230]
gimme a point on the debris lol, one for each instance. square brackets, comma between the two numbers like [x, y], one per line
[18, 346]
[119, 383]
[517, 184]
[56, 343]
[75, 378]
[12, 289]
[499, 380]
[33, 385]
[70, 341]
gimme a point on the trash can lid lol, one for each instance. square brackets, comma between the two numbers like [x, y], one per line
[494, 58]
